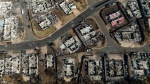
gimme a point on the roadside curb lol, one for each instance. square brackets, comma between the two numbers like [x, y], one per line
[98, 29]
[35, 36]
[24, 33]
[96, 23]
[43, 37]
[56, 28]
[102, 46]
[136, 47]
[114, 40]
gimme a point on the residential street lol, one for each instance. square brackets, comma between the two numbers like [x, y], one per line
[63, 30]
[30, 41]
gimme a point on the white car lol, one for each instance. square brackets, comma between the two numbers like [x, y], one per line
[22, 11]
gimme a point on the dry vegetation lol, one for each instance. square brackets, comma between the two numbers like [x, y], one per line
[14, 80]
[81, 4]
[63, 18]
[48, 76]
[93, 23]
[72, 32]
[145, 30]
[39, 33]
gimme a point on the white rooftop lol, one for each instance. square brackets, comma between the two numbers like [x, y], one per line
[65, 8]
[11, 25]
[50, 60]
[5, 7]
[68, 71]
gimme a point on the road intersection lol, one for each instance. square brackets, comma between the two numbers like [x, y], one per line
[110, 47]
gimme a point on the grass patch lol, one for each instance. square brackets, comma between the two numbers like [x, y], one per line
[39, 33]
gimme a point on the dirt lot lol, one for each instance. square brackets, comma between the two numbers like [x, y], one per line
[81, 4]
[116, 56]
[48, 76]
[39, 33]
[96, 27]
[130, 44]
[58, 25]
[63, 18]
[93, 23]
[72, 32]
[76, 12]
[44, 50]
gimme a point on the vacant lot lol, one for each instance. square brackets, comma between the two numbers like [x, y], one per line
[93, 23]
[39, 33]
[63, 18]
[81, 4]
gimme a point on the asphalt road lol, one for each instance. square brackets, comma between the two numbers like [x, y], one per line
[76, 21]
[28, 31]
[110, 47]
